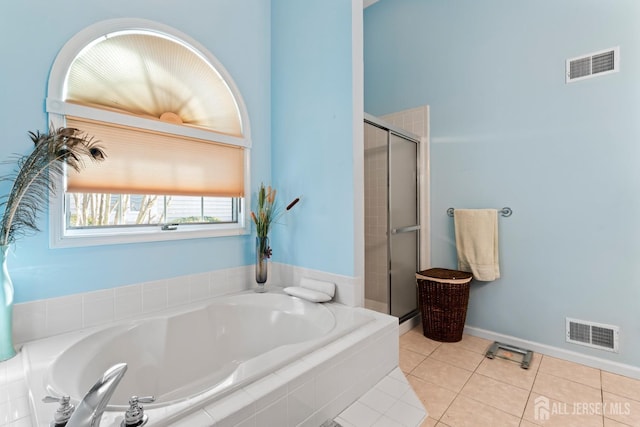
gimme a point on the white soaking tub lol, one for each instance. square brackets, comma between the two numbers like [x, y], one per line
[190, 358]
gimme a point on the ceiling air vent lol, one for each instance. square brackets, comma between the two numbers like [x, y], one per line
[593, 64]
[591, 334]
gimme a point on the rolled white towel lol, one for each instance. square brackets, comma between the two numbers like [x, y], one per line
[319, 286]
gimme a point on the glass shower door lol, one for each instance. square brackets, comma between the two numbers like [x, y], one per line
[404, 227]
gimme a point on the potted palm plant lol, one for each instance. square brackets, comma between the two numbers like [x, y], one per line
[34, 177]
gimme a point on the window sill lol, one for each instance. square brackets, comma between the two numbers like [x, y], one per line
[81, 238]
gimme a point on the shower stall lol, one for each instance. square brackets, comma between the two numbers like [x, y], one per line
[392, 218]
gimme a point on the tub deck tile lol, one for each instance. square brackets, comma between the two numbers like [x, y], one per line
[391, 401]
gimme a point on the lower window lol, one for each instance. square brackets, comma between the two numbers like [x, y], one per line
[109, 211]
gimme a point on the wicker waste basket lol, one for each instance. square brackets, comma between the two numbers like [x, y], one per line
[443, 296]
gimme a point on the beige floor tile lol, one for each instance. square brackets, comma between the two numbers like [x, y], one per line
[443, 377]
[418, 343]
[548, 412]
[503, 396]
[572, 371]
[435, 399]
[442, 374]
[622, 386]
[409, 360]
[429, 422]
[457, 356]
[471, 343]
[612, 423]
[565, 390]
[510, 372]
[466, 412]
[621, 409]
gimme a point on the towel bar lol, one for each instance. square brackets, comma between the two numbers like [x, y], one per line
[505, 212]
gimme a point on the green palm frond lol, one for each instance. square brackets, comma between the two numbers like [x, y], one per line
[36, 176]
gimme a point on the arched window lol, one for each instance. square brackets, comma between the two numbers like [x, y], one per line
[174, 128]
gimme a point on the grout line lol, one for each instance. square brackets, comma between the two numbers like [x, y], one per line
[538, 371]
[486, 404]
[535, 378]
[530, 391]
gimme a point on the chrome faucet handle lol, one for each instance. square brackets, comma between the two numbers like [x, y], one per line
[64, 411]
[135, 416]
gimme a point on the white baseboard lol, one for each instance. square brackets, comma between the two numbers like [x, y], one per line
[561, 353]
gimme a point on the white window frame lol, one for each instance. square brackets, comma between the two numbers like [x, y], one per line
[59, 235]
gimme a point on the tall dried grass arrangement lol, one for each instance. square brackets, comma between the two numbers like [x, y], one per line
[268, 211]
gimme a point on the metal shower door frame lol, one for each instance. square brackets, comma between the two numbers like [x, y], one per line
[401, 133]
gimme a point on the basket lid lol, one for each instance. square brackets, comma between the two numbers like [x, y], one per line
[445, 275]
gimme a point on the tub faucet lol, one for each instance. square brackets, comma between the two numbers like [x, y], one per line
[92, 406]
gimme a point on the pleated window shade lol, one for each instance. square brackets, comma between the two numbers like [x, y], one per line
[141, 161]
[147, 74]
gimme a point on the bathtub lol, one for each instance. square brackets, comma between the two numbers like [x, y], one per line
[197, 359]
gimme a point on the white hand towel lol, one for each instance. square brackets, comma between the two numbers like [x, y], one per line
[318, 285]
[477, 242]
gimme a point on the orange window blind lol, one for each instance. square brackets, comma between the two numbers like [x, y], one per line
[141, 161]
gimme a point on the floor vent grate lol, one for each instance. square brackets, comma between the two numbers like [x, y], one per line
[591, 334]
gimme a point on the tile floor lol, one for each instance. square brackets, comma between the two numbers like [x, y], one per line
[460, 387]
[390, 403]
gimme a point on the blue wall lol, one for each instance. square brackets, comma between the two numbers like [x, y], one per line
[31, 34]
[312, 131]
[311, 105]
[507, 131]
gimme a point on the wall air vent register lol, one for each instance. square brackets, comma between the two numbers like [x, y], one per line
[592, 65]
[591, 334]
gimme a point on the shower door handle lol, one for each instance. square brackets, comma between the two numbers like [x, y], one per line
[406, 229]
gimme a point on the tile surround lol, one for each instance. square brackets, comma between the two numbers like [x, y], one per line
[14, 395]
[391, 402]
[315, 388]
[493, 394]
[39, 319]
